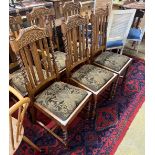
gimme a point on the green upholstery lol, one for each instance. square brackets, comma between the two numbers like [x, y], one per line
[61, 99]
[112, 60]
[92, 76]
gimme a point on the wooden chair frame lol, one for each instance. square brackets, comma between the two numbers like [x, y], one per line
[44, 17]
[70, 8]
[21, 106]
[99, 21]
[30, 36]
[70, 28]
[97, 50]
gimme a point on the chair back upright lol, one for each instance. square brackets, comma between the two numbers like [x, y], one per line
[15, 24]
[76, 41]
[35, 57]
[119, 24]
[44, 18]
[70, 8]
[99, 21]
[16, 129]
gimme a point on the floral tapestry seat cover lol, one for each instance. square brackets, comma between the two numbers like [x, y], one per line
[112, 60]
[61, 99]
[18, 79]
[92, 76]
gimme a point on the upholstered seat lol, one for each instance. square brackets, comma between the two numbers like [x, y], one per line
[61, 99]
[134, 33]
[60, 58]
[115, 43]
[112, 60]
[18, 80]
[92, 76]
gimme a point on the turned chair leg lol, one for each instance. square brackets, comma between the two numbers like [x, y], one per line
[88, 109]
[33, 114]
[114, 88]
[94, 108]
[124, 77]
[65, 137]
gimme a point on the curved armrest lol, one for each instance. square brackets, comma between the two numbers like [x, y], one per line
[16, 106]
[15, 92]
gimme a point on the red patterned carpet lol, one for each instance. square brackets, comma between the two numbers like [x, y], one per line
[103, 135]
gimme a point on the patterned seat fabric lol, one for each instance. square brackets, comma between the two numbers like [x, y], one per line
[18, 80]
[92, 76]
[60, 58]
[112, 60]
[61, 99]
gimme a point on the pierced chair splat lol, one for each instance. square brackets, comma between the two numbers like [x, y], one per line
[59, 101]
[15, 24]
[70, 8]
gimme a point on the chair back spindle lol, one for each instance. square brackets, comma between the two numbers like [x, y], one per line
[76, 41]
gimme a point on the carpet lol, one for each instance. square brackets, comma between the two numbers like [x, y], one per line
[104, 134]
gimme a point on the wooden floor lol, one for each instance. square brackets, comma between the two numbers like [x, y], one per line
[134, 140]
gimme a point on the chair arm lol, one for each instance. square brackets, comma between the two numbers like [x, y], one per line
[16, 106]
[15, 92]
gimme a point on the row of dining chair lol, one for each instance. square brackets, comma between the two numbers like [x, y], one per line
[89, 70]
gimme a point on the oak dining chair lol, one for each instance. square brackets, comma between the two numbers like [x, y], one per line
[45, 18]
[15, 24]
[59, 101]
[79, 71]
[114, 62]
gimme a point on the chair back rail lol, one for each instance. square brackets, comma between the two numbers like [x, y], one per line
[119, 24]
[35, 57]
[76, 41]
[70, 8]
[15, 24]
[44, 17]
[99, 30]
